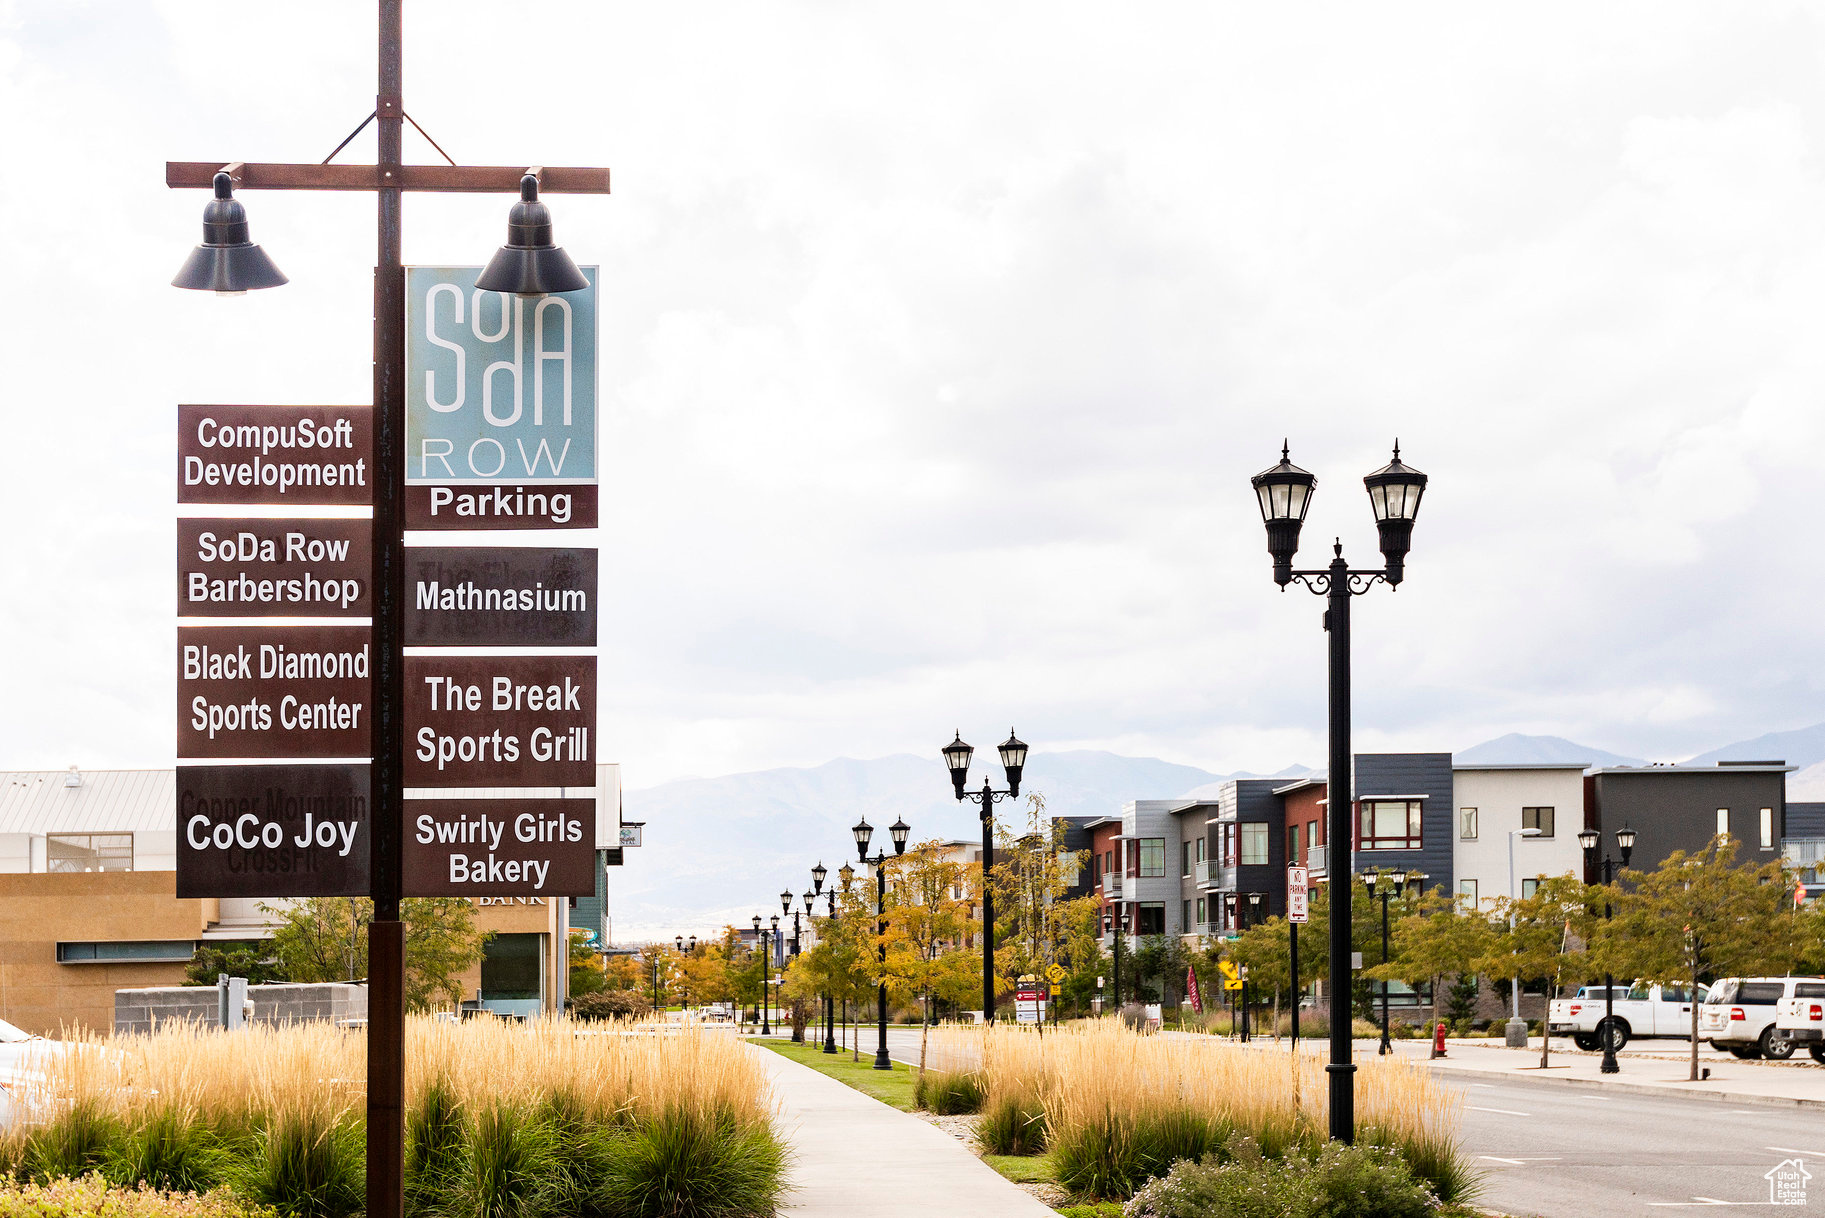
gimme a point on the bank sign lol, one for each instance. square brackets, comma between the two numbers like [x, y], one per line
[500, 389]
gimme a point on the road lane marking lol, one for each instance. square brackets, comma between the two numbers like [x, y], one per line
[1788, 1150]
[1704, 1201]
[1521, 1162]
[1509, 1112]
[1604, 1098]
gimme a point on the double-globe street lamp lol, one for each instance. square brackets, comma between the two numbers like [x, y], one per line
[761, 934]
[684, 973]
[1013, 760]
[1386, 885]
[817, 889]
[1284, 493]
[785, 907]
[1625, 846]
[863, 833]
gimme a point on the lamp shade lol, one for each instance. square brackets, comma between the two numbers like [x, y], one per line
[899, 829]
[785, 901]
[227, 262]
[693, 942]
[1625, 841]
[808, 898]
[817, 876]
[530, 264]
[757, 922]
[1587, 839]
[1254, 900]
[1397, 880]
[678, 940]
[1013, 760]
[774, 920]
[957, 759]
[848, 875]
[1284, 492]
[1394, 492]
[864, 832]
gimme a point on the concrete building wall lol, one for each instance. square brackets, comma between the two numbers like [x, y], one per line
[40, 911]
[143, 1010]
[1498, 795]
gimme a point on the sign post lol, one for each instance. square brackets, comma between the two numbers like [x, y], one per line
[1298, 912]
[253, 463]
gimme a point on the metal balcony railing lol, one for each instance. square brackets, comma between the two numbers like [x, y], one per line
[1200, 871]
[1315, 858]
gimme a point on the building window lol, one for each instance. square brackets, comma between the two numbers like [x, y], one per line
[1529, 886]
[1292, 843]
[88, 852]
[1723, 822]
[1311, 834]
[511, 967]
[1184, 859]
[1152, 918]
[1538, 818]
[1466, 824]
[1391, 824]
[1108, 860]
[1202, 906]
[1254, 846]
[1767, 828]
[1226, 846]
[1153, 857]
[1200, 849]
[1466, 891]
[132, 951]
[1184, 916]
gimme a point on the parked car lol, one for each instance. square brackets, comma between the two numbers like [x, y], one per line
[1639, 1010]
[1800, 1020]
[1739, 1016]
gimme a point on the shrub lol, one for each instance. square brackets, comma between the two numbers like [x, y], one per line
[948, 1092]
[611, 1004]
[305, 1164]
[73, 1143]
[1012, 1125]
[437, 1137]
[509, 1166]
[169, 1151]
[91, 1197]
[687, 1164]
[1338, 1181]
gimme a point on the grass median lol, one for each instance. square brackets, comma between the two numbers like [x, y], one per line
[892, 1087]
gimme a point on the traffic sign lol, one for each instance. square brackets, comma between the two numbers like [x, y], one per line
[1055, 973]
[1227, 969]
[1233, 984]
[1298, 909]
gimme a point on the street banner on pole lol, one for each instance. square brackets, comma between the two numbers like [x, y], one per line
[500, 404]
[1298, 886]
[1191, 990]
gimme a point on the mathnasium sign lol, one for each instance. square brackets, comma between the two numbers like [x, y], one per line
[499, 388]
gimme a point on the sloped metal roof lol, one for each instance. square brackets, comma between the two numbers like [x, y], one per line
[103, 801]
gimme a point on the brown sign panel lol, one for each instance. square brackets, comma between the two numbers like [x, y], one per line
[500, 721]
[273, 568]
[312, 455]
[471, 505]
[272, 831]
[273, 691]
[495, 596]
[499, 848]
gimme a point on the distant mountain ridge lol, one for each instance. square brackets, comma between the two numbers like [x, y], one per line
[718, 850]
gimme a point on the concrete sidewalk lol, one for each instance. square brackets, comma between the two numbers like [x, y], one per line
[852, 1155]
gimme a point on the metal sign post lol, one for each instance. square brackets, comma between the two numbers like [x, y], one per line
[388, 179]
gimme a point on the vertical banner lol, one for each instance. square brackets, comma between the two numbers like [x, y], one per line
[500, 405]
[1191, 991]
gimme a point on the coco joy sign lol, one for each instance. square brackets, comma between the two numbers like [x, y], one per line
[500, 405]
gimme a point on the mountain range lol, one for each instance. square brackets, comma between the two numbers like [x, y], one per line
[718, 849]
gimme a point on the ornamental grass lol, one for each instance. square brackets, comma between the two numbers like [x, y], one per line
[1114, 1110]
[502, 1120]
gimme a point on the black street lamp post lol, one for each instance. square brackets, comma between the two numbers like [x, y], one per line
[760, 935]
[684, 992]
[1284, 493]
[1013, 760]
[848, 876]
[817, 888]
[1395, 882]
[1625, 846]
[863, 832]
[785, 906]
[1254, 919]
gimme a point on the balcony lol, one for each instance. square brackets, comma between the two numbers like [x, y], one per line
[1112, 887]
[1200, 872]
[1315, 860]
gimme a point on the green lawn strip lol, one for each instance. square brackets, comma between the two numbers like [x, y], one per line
[892, 1087]
[1022, 1169]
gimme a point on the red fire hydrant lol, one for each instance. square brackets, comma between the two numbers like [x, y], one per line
[1438, 1040]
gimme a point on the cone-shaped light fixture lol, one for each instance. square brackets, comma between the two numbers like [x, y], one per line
[529, 264]
[227, 262]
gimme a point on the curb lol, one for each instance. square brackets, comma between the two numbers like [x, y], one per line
[1699, 1091]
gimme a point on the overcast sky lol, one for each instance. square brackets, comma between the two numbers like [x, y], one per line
[940, 341]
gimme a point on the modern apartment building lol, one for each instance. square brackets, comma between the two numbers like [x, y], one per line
[1133, 873]
[1527, 814]
[1681, 807]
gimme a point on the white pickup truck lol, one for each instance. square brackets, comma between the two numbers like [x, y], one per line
[1799, 1020]
[1643, 1010]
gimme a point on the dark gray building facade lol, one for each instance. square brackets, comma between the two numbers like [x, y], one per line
[1404, 817]
[1676, 807]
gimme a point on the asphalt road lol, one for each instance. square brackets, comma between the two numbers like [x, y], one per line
[1563, 1151]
